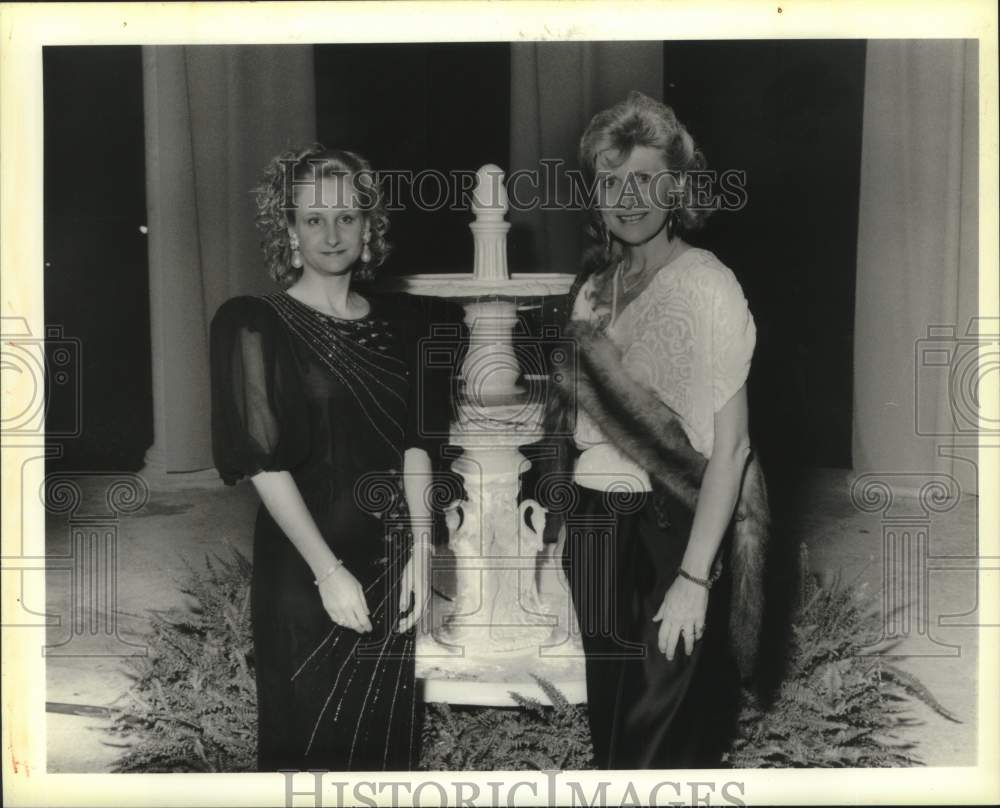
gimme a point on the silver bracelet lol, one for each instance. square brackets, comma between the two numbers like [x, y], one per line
[336, 566]
[704, 582]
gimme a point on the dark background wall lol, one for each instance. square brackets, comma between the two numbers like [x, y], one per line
[96, 271]
[414, 107]
[787, 112]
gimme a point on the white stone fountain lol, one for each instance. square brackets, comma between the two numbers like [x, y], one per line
[507, 613]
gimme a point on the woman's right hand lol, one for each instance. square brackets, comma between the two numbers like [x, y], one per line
[344, 600]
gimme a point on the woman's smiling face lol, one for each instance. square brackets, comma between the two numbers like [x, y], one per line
[329, 225]
[634, 194]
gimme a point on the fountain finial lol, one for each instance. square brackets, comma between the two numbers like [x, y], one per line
[489, 197]
[489, 230]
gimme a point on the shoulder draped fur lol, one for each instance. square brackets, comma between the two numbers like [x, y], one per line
[650, 433]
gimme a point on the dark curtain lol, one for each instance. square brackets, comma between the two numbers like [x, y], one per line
[426, 109]
[788, 113]
[95, 277]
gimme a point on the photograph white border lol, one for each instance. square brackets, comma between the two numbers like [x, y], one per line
[26, 28]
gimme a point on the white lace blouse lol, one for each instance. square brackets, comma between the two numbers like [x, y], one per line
[689, 336]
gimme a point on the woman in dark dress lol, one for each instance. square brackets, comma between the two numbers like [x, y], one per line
[660, 455]
[312, 391]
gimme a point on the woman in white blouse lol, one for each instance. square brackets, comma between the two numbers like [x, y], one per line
[661, 428]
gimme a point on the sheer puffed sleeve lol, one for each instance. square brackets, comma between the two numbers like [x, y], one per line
[259, 413]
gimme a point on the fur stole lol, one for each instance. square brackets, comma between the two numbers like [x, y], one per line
[648, 432]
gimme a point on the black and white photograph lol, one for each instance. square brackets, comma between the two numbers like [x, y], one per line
[486, 403]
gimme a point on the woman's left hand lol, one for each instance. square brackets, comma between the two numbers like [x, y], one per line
[416, 585]
[682, 612]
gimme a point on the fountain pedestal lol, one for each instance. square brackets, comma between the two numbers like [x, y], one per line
[507, 615]
[510, 616]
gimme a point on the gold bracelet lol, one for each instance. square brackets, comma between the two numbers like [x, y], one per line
[336, 566]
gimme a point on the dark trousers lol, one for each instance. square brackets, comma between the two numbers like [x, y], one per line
[622, 553]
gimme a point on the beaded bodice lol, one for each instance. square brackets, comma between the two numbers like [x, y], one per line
[356, 372]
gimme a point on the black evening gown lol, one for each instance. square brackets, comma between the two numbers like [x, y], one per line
[330, 401]
[622, 552]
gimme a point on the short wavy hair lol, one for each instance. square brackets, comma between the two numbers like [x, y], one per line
[276, 205]
[643, 121]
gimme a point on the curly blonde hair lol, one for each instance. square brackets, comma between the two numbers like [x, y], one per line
[641, 121]
[276, 206]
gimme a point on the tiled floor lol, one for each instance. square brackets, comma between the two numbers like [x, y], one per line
[187, 523]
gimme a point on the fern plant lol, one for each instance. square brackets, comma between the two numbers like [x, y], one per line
[534, 736]
[192, 704]
[838, 706]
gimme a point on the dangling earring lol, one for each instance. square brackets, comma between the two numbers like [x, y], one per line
[671, 225]
[366, 253]
[672, 217]
[606, 241]
[296, 260]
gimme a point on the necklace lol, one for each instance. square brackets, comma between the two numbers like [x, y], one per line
[649, 266]
[642, 277]
[621, 278]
